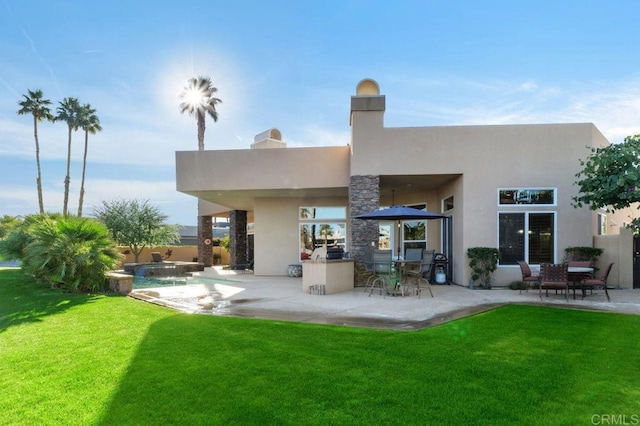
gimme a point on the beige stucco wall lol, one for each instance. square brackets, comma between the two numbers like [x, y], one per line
[619, 250]
[234, 178]
[276, 231]
[178, 253]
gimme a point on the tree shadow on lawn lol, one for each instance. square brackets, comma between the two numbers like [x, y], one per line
[23, 300]
[195, 369]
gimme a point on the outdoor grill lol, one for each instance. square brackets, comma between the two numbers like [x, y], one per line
[439, 270]
[334, 253]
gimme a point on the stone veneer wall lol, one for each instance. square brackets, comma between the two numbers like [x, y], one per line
[364, 197]
[238, 238]
[205, 232]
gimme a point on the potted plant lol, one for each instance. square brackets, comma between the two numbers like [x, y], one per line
[482, 261]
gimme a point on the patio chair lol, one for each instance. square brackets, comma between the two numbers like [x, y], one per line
[527, 277]
[597, 282]
[156, 257]
[368, 268]
[413, 254]
[422, 273]
[384, 273]
[554, 276]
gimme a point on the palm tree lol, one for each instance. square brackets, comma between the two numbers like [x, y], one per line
[35, 105]
[90, 123]
[198, 100]
[68, 111]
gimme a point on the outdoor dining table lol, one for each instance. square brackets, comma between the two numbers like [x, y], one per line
[575, 274]
[401, 266]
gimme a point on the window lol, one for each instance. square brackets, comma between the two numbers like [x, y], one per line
[310, 213]
[602, 224]
[413, 233]
[321, 227]
[447, 204]
[527, 196]
[526, 236]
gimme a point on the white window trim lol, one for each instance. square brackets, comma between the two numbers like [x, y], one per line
[442, 200]
[519, 206]
[526, 225]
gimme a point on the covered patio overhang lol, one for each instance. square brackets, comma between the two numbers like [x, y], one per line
[401, 186]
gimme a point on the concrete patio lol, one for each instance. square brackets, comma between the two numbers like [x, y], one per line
[281, 298]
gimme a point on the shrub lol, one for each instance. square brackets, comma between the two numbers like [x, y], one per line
[583, 253]
[69, 252]
[519, 285]
[483, 261]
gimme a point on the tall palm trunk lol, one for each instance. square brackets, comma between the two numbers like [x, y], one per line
[84, 168]
[39, 178]
[67, 179]
[200, 131]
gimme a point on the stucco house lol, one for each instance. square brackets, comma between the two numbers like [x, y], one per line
[504, 186]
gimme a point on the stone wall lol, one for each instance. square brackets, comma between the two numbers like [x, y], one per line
[364, 197]
[238, 238]
[205, 234]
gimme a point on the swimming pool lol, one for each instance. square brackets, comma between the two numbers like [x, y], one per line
[140, 282]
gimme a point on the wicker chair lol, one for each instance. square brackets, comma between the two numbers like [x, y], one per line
[597, 282]
[527, 277]
[554, 276]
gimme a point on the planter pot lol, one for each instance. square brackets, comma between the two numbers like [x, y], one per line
[294, 271]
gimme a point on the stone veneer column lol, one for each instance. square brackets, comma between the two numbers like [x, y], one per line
[238, 238]
[364, 197]
[205, 234]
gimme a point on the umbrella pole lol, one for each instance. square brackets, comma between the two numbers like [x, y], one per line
[399, 238]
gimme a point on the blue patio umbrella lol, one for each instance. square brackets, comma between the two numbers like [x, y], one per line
[400, 213]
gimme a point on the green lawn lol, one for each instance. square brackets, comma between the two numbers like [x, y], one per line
[94, 359]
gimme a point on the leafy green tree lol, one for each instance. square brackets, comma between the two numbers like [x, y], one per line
[7, 224]
[610, 178]
[36, 105]
[136, 224]
[69, 112]
[90, 123]
[199, 100]
[70, 252]
[14, 246]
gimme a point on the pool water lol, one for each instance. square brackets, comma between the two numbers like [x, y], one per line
[150, 282]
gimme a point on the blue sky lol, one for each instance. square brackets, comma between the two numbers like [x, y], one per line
[292, 65]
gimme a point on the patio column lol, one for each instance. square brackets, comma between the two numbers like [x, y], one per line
[364, 197]
[238, 238]
[205, 236]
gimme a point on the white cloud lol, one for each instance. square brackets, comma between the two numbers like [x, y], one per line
[22, 199]
[314, 135]
[612, 106]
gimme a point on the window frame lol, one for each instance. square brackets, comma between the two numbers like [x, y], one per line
[340, 222]
[526, 214]
[524, 205]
